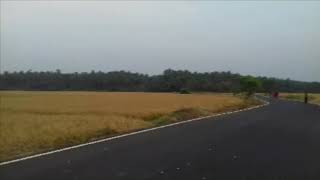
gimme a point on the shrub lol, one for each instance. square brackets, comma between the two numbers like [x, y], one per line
[184, 91]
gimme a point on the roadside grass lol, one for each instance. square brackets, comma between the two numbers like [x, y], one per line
[313, 98]
[33, 122]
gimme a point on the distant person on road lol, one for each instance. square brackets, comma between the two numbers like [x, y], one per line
[276, 95]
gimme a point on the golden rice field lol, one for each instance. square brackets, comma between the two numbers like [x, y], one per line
[32, 122]
[313, 98]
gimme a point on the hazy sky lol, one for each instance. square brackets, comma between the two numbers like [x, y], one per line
[279, 39]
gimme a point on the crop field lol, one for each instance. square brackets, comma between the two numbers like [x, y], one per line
[33, 122]
[313, 98]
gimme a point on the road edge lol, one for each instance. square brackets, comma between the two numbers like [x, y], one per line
[265, 103]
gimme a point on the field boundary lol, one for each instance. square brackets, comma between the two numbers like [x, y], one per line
[265, 103]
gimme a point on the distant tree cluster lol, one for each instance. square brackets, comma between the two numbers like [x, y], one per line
[169, 81]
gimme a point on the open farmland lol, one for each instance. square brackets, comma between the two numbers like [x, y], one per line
[313, 98]
[33, 122]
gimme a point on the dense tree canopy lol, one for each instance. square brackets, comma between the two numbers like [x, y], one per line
[169, 81]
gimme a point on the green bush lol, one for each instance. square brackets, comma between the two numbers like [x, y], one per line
[184, 91]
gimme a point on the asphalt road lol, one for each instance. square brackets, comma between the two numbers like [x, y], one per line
[279, 141]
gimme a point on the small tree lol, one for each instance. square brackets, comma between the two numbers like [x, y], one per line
[249, 85]
[184, 91]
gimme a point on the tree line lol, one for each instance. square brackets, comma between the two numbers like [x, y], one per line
[169, 81]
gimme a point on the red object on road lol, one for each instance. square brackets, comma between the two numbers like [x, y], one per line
[275, 94]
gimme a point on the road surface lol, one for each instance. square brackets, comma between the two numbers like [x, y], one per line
[279, 141]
